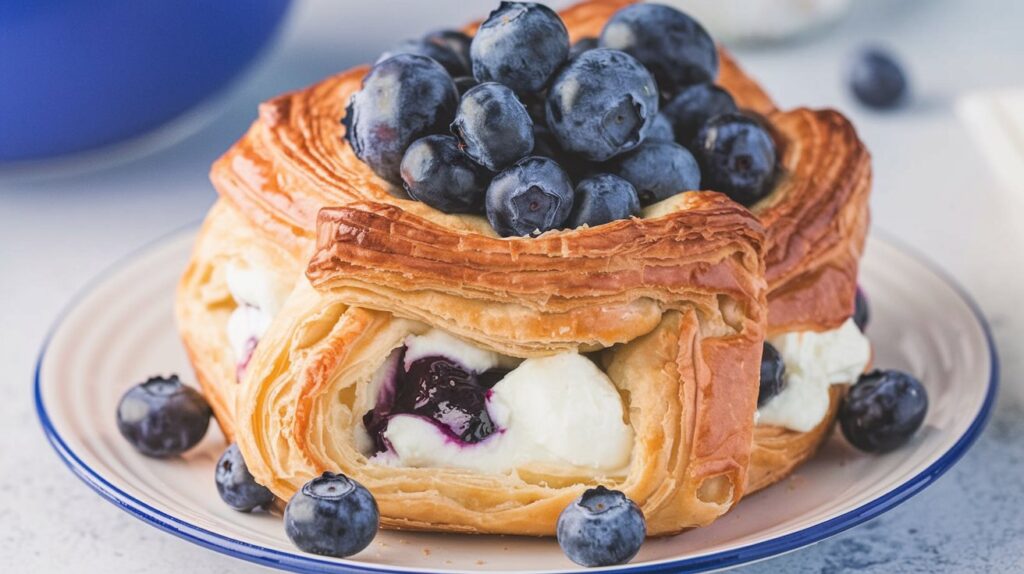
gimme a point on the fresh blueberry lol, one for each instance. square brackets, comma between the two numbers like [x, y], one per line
[464, 84]
[883, 410]
[162, 417]
[695, 105]
[437, 173]
[661, 129]
[877, 79]
[332, 515]
[493, 126]
[736, 156]
[439, 52]
[457, 42]
[861, 313]
[603, 198]
[672, 45]
[533, 196]
[601, 104]
[403, 99]
[521, 44]
[773, 374]
[235, 484]
[544, 145]
[601, 528]
[658, 170]
[582, 45]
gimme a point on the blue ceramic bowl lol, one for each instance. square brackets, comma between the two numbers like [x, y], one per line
[77, 75]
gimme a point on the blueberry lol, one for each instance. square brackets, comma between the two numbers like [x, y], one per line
[601, 528]
[403, 99]
[773, 374]
[493, 126]
[521, 44]
[736, 156]
[658, 170]
[464, 84]
[883, 410]
[661, 129]
[601, 104]
[672, 45]
[439, 52]
[457, 42]
[332, 515]
[162, 417]
[582, 45]
[603, 198]
[533, 196]
[861, 313]
[695, 105]
[877, 79]
[437, 173]
[235, 484]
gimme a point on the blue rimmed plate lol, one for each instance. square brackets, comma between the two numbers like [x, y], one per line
[122, 330]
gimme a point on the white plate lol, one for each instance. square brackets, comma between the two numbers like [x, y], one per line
[122, 331]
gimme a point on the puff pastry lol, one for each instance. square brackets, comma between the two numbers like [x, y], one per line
[293, 161]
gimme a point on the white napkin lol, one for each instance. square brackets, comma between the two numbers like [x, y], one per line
[995, 120]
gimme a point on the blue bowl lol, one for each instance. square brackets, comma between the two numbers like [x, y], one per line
[78, 75]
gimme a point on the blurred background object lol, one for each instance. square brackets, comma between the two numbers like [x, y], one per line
[77, 75]
[756, 21]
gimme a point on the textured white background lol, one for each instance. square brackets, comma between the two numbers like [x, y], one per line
[932, 190]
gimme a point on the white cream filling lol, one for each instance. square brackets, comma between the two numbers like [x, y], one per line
[814, 361]
[551, 412]
[258, 299]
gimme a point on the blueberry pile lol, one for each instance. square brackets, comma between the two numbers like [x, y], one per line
[537, 134]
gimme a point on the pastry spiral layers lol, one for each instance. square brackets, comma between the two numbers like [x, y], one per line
[673, 305]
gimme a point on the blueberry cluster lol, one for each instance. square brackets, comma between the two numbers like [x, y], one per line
[536, 134]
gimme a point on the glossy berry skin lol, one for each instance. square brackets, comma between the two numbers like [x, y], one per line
[521, 44]
[332, 515]
[883, 410]
[695, 105]
[437, 173]
[439, 52]
[582, 45]
[877, 79]
[861, 313]
[672, 45]
[601, 528]
[236, 485]
[661, 129]
[658, 170]
[162, 417]
[402, 99]
[493, 126]
[773, 374]
[601, 104]
[736, 156]
[603, 198]
[464, 84]
[533, 196]
[458, 43]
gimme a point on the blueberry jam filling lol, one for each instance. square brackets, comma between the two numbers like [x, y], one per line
[439, 390]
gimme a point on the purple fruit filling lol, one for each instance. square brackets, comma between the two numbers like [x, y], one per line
[439, 390]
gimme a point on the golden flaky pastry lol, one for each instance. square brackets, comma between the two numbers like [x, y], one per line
[293, 161]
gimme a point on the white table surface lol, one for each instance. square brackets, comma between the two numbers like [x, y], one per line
[932, 190]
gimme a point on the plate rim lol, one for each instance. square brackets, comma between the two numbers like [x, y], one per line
[310, 564]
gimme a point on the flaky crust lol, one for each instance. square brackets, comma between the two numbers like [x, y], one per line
[677, 301]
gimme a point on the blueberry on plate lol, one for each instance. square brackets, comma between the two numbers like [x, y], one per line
[521, 44]
[163, 417]
[601, 104]
[695, 105]
[672, 45]
[736, 156]
[457, 42]
[861, 313]
[883, 410]
[332, 515]
[661, 129]
[603, 198]
[402, 99]
[582, 45]
[437, 51]
[877, 79]
[658, 170]
[437, 173]
[493, 126]
[236, 485]
[601, 528]
[773, 374]
[464, 84]
[531, 197]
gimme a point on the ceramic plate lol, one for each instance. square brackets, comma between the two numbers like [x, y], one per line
[122, 330]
